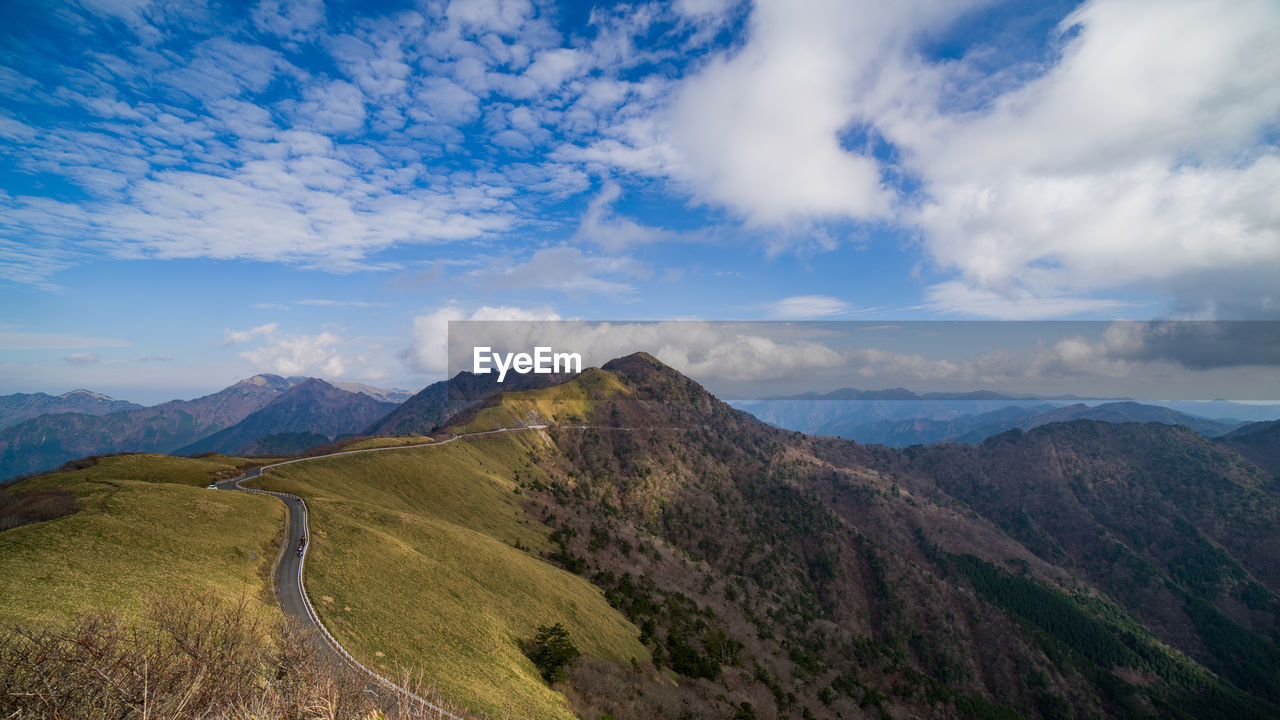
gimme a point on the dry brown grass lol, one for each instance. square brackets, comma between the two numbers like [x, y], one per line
[191, 658]
[23, 507]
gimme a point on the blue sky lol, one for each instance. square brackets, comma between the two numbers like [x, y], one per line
[194, 192]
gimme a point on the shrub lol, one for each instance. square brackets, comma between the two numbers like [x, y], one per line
[552, 651]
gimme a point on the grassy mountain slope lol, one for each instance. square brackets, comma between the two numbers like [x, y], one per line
[424, 558]
[434, 404]
[145, 526]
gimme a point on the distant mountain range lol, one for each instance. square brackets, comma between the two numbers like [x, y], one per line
[24, 406]
[312, 408]
[846, 394]
[269, 414]
[899, 417]
[44, 442]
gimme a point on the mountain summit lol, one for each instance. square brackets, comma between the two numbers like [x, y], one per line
[1115, 561]
[81, 423]
[313, 411]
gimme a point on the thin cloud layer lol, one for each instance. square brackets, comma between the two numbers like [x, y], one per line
[1163, 360]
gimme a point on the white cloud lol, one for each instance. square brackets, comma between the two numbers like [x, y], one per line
[550, 68]
[702, 8]
[759, 132]
[337, 107]
[83, 358]
[447, 102]
[230, 337]
[290, 19]
[567, 269]
[301, 355]
[1139, 159]
[601, 226]
[428, 350]
[501, 16]
[808, 307]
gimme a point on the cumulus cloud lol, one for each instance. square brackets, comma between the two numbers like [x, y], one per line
[428, 350]
[231, 337]
[1139, 154]
[1139, 159]
[760, 131]
[1193, 345]
[300, 355]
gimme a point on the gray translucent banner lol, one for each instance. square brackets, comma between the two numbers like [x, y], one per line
[1169, 361]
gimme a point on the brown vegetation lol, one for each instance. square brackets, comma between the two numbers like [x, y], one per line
[23, 507]
[192, 658]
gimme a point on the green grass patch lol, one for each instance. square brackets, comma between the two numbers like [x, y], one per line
[381, 442]
[146, 527]
[414, 565]
[569, 403]
[151, 467]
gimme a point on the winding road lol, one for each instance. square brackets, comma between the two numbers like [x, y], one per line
[287, 573]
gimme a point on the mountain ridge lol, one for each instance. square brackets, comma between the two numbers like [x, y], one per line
[45, 441]
[24, 406]
[310, 408]
[1078, 569]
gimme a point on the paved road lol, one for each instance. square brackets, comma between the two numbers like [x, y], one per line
[289, 569]
[288, 573]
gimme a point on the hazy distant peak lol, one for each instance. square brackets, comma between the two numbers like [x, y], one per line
[86, 394]
[268, 380]
[377, 393]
